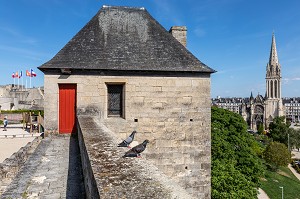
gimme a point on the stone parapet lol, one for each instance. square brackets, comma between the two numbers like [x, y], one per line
[108, 175]
[11, 166]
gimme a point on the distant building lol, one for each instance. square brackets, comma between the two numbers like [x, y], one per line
[232, 104]
[260, 110]
[292, 109]
[18, 97]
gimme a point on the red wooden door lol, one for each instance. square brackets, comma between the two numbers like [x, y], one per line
[67, 108]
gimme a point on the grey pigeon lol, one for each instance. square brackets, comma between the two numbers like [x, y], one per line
[135, 151]
[127, 141]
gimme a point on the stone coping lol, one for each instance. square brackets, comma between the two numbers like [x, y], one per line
[115, 176]
[11, 166]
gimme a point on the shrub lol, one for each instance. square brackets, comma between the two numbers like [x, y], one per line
[277, 154]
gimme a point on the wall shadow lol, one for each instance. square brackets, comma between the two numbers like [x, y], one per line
[75, 182]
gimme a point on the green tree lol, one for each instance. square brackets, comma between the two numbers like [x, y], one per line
[277, 154]
[260, 129]
[279, 130]
[294, 138]
[236, 167]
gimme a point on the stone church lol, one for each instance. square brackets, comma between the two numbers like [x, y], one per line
[261, 110]
[135, 75]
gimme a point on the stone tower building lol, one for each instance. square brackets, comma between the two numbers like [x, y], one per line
[133, 74]
[261, 110]
[273, 101]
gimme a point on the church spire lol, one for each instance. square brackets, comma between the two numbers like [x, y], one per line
[273, 60]
[273, 73]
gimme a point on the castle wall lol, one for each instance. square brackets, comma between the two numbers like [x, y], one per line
[12, 98]
[172, 112]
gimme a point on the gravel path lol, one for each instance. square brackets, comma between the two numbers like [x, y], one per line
[13, 139]
[294, 171]
[262, 194]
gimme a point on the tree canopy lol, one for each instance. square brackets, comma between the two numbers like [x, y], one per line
[236, 167]
[294, 137]
[279, 130]
[277, 154]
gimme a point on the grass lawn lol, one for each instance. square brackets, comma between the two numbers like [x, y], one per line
[282, 178]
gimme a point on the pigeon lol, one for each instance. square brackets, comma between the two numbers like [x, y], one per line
[135, 151]
[127, 141]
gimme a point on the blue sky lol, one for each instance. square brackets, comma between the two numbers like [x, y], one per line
[231, 36]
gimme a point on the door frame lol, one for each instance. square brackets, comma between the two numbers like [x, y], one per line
[75, 101]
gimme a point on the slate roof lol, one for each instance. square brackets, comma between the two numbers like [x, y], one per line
[125, 38]
[291, 100]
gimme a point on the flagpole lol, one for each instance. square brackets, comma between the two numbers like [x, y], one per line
[30, 82]
[18, 83]
[26, 84]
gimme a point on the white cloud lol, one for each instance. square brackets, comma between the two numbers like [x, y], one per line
[30, 41]
[24, 52]
[10, 31]
[17, 36]
[199, 32]
[288, 80]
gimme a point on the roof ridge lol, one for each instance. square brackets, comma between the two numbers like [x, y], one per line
[125, 7]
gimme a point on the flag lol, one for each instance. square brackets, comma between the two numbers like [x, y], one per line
[13, 75]
[33, 74]
[16, 75]
[27, 73]
[20, 74]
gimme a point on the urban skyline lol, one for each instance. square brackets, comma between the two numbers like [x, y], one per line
[231, 36]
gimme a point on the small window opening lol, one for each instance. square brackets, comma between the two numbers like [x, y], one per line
[115, 100]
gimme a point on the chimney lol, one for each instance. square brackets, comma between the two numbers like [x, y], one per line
[179, 32]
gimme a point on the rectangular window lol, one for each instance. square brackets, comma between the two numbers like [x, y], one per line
[115, 100]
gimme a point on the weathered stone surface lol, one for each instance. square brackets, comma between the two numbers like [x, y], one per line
[52, 171]
[115, 176]
[11, 166]
[180, 112]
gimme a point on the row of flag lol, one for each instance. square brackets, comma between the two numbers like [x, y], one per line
[30, 73]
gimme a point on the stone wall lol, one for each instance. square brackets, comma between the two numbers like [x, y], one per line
[108, 175]
[14, 98]
[90, 185]
[172, 112]
[11, 166]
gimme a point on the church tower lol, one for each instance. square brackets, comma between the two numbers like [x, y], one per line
[274, 107]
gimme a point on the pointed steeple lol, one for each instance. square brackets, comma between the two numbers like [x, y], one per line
[251, 97]
[273, 60]
[273, 73]
[266, 96]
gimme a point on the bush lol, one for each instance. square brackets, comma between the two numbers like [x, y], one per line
[36, 112]
[260, 129]
[277, 154]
